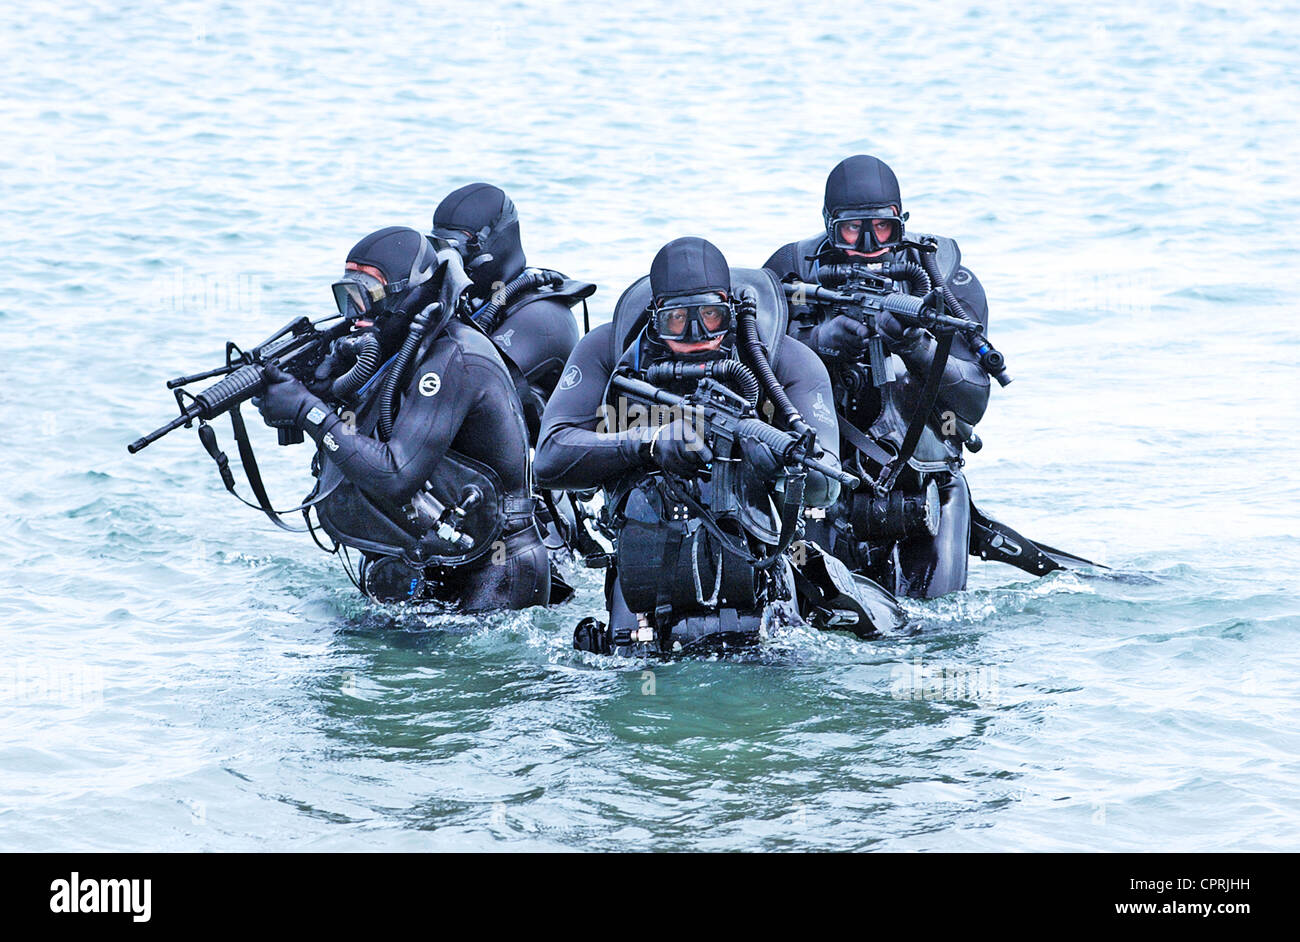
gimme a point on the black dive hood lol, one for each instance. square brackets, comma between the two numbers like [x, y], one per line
[400, 253]
[492, 253]
[859, 182]
[687, 266]
[409, 265]
[693, 268]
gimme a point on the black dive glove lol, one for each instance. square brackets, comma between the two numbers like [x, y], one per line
[676, 448]
[329, 369]
[819, 490]
[899, 338]
[845, 337]
[287, 403]
[841, 337]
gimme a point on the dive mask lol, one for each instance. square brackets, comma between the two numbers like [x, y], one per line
[468, 244]
[358, 293]
[866, 230]
[696, 318]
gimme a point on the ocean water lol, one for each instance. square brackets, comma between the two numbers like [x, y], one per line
[177, 674]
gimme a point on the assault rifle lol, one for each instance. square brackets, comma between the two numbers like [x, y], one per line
[724, 419]
[722, 414]
[866, 293]
[297, 348]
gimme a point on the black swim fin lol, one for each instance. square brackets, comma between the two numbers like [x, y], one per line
[561, 591]
[998, 542]
[832, 597]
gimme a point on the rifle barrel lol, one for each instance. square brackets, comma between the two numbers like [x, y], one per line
[912, 310]
[290, 346]
[189, 415]
[206, 374]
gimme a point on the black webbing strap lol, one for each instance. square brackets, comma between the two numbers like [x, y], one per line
[576, 538]
[252, 472]
[929, 396]
[862, 442]
[668, 575]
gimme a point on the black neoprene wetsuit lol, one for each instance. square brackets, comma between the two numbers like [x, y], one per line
[538, 333]
[572, 454]
[919, 565]
[459, 399]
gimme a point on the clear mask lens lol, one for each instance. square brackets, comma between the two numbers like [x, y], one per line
[694, 319]
[866, 233]
[357, 293]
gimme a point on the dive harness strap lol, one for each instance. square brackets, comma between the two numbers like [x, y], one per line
[892, 466]
[791, 510]
[519, 508]
[668, 568]
[863, 442]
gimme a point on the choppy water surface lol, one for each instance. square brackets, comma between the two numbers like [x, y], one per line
[178, 674]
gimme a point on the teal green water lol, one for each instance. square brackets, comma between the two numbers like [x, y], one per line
[177, 674]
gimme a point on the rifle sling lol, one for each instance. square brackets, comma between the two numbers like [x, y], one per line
[251, 471]
[929, 396]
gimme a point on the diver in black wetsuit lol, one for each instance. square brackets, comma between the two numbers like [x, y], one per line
[672, 579]
[526, 312]
[429, 478]
[911, 553]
